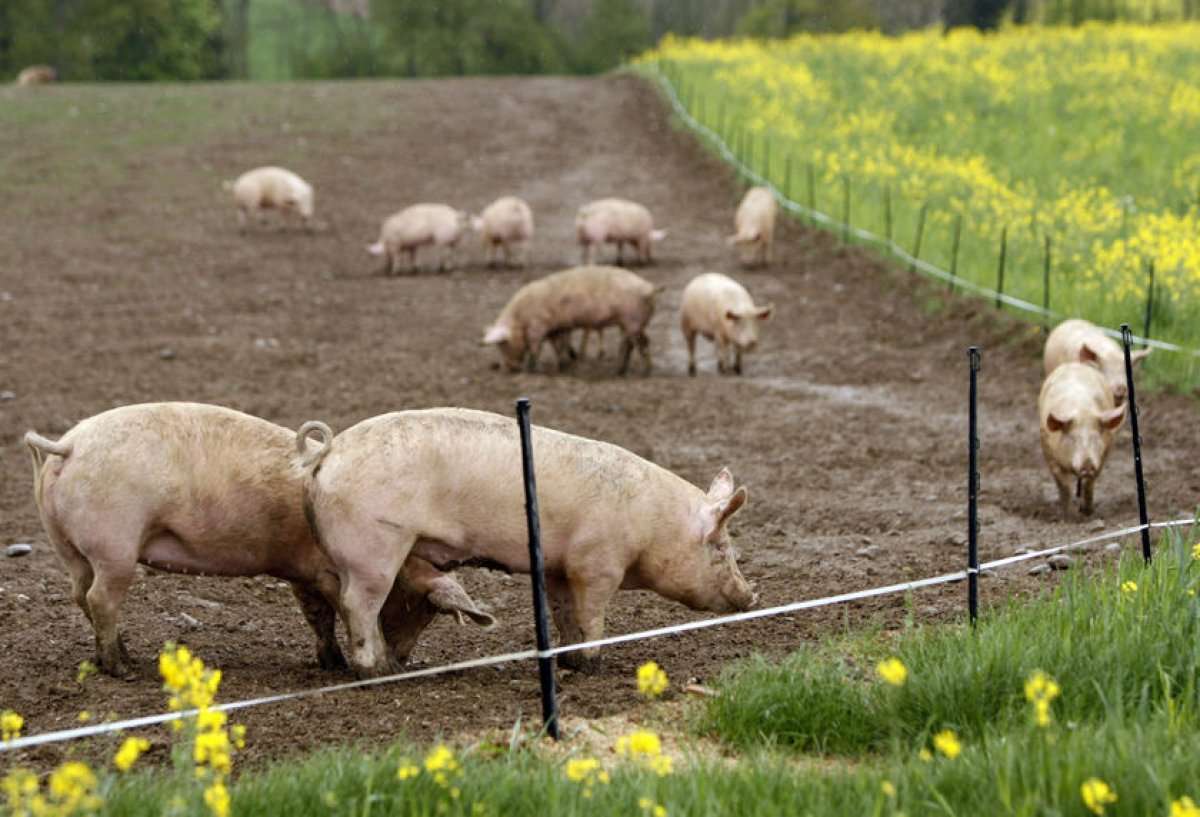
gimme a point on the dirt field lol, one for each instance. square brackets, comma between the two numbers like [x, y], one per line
[123, 280]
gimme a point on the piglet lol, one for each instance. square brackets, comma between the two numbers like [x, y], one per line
[720, 309]
[271, 188]
[504, 224]
[420, 225]
[754, 223]
[616, 221]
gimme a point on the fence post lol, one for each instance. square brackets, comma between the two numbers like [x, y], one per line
[845, 208]
[1143, 516]
[812, 192]
[1149, 301]
[887, 214]
[973, 490]
[1000, 267]
[787, 177]
[1046, 289]
[766, 171]
[536, 573]
[954, 252]
[916, 253]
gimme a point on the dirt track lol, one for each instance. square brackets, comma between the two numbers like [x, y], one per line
[848, 426]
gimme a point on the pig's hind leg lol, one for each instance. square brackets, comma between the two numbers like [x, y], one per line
[112, 576]
[322, 617]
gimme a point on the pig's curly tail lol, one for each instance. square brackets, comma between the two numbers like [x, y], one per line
[311, 460]
[39, 447]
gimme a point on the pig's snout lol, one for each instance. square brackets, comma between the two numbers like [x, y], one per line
[1120, 392]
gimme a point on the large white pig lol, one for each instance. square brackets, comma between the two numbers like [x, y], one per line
[616, 221]
[36, 75]
[193, 488]
[420, 225]
[504, 224]
[754, 223]
[1077, 421]
[1079, 341]
[720, 309]
[445, 484]
[271, 188]
[577, 298]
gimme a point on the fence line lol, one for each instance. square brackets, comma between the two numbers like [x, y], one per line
[884, 243]
[92, 730]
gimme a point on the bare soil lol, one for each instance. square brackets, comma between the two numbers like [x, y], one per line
[123, 279]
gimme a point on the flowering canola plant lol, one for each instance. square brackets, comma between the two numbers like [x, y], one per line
[1096, 795]
[651, 680]
[1041, 690]
[1083, 134]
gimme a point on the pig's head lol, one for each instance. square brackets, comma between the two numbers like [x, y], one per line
[415, 601]
[1079, 443]
[707, 577]
[741, 325]
[511, 344]
[1111, 362]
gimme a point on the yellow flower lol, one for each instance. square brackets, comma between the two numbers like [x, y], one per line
[10, 725]
[947, 743]
[1128, 588]
[892, 671]
[441, 759]
[651, 680]
[407, 771]
[71, 786]
[86, 670]
[581, 769]
[1096, 794]
[640, 743]
[1184, 807]
[925, 755]
[239, 735]
[652, 808]
[1196, 551]
[661, 765]
[131, 749]
[888, 788]
[84, 716]
[1041, 690]
[216, 797]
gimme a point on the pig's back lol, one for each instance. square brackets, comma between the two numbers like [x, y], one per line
[1073, 386]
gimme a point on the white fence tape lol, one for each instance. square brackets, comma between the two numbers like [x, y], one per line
[886, 244]
[525, 655]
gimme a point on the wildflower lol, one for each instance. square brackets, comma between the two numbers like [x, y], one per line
[239, 735]
[947, 743]
[131, 749]
[86, 670]
[1184, 806]
[651, 680]
[216, 797]
[641, 743]
[1128, 588]
[652, 808]
[892, 671]
[888, 788]
[1195, 555]
[10, 725]
[441, 764]
[587, 772]
[925, 755]
[407, 771]
[1096, 795]
[21, 789]
[72, 788]
[661, 765]
[84, 716]
[1041, 690]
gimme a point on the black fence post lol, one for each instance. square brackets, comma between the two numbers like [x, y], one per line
[1000, 267]
[787, 177]
[1046, 289]
[845, 208]
[887, 215]
[812, 190]
[916, 253]
[537, 573]
[1143, 516]
[766, 171]
[973, 490]
[954, 252]
[1149, 301]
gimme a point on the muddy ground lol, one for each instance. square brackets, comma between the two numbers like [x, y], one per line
[123, 280]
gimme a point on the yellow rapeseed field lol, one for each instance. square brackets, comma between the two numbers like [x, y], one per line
[1088, 135]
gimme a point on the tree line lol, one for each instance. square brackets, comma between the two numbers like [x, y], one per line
[135, 40]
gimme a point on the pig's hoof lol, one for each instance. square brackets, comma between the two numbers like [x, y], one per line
[692, 369]
[577, 661]
[117, 667]
[331, 659]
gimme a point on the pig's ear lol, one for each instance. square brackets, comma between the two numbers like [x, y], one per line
[1087, 354]
[495, 334]
[730, 315]
[721, 487]
[728, 507]
[763, 313]
[1111, 420]
[1140, 355]
[449, 597]
[1055, 424]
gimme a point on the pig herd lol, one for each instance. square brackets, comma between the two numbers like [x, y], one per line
[367, 525]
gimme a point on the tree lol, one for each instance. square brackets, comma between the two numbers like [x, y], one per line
[780, 18]
[614, 31]
[984, 15]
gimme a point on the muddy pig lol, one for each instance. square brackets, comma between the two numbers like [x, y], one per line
[577, 298]
[1078, 341]
[1077, 421]
[37, 75]
[441, 484]
[506, 222]
[420, 225]
[754, 224]
[616, 221]
[192, 488]
[271, 188]
[720, 309]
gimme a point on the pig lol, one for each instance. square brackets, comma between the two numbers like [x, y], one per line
[505, 222]
[417, 226]
[754, 224]
[1079, 341]
[616, 221]
[271, 188]
[37, 75]
[1077, 421]
[444, 484]
[577, 298]
[720, 309]
[193, 488]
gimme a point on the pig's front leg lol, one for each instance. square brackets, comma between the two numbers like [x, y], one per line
[590, 594]
[558, 592]
[322, 617]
